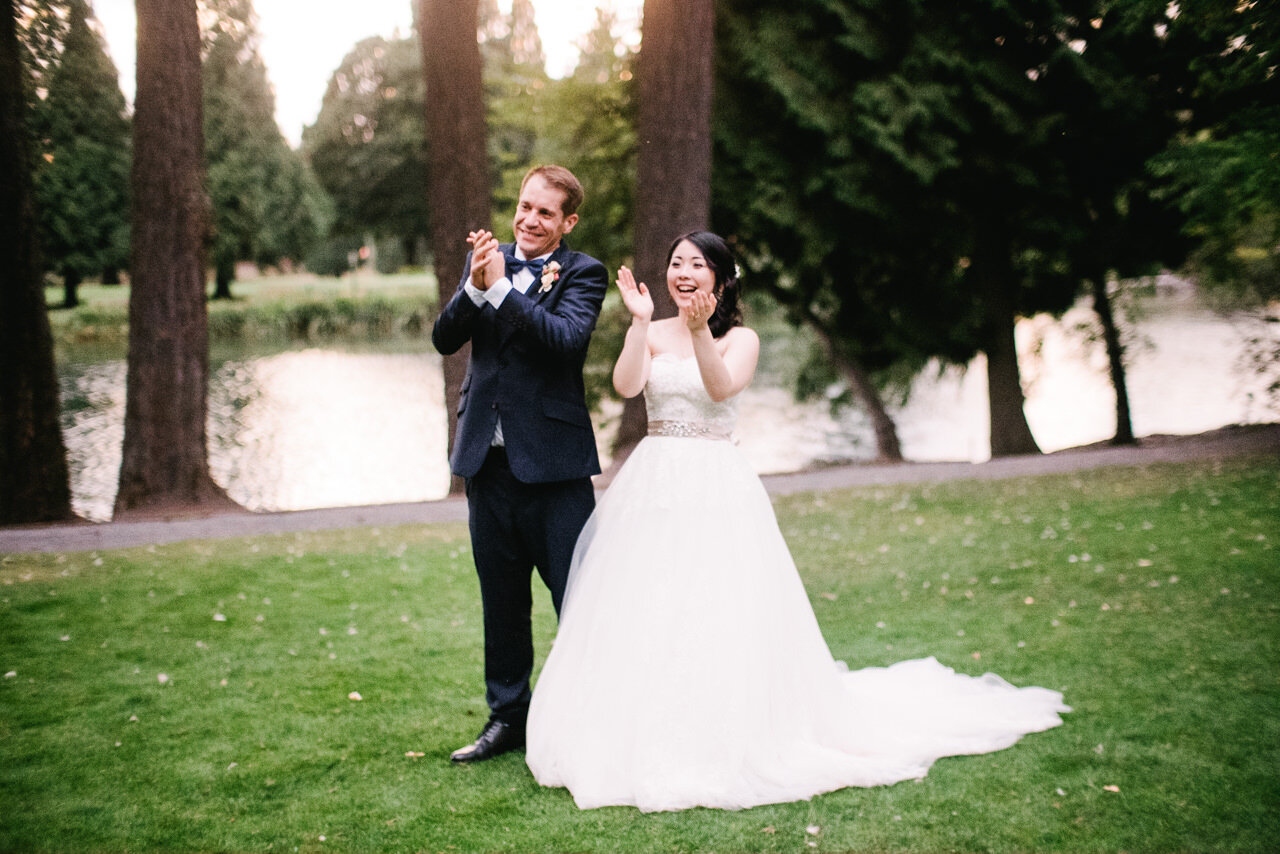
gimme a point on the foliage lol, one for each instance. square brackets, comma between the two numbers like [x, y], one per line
[589, 128]
[267, 205]
[368, 145]
[1227, 182]
[825, 158]
[1222, 169]
[82, 135]
[272, 309]
[1116, 91]
[34, 482]
[42, 30]
[927, 171]
[212, 681]
[515, 87]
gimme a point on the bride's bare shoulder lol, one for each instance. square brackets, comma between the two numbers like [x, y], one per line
[741, 336]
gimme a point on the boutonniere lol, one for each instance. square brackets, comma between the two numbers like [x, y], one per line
[550, 274]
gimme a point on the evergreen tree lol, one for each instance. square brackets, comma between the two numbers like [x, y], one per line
[515, 87]
[891, 167]
[34, 482]
[266, 205]
[82, 178]
[1222, 169]
[368, 146]
[42, 31]
[824, 153]
[164, 464]
[590, 129]
[1115, 91]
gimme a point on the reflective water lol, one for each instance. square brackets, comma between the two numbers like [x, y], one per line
[328, 427]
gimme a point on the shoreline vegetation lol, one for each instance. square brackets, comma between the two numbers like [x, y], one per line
[276, 308]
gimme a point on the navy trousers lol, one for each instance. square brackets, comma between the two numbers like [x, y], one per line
[515, 528]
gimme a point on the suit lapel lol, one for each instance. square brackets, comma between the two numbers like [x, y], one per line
[536, 293]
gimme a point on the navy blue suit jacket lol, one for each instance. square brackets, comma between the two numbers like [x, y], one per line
[526, 366]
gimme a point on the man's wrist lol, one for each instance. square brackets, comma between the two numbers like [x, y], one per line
[497, 292]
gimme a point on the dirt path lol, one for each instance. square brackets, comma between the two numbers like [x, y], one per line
[1260, 439]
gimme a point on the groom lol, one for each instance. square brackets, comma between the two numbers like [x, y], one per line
[524, 444]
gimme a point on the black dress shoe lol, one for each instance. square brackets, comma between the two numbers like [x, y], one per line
[495, 739]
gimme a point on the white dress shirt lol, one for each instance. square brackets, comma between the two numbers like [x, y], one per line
[495, 294]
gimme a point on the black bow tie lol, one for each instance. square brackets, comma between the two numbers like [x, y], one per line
[515, 265]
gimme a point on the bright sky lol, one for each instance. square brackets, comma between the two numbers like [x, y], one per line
[302, 43]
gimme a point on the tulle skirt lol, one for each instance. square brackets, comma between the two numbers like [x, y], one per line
[689, 669]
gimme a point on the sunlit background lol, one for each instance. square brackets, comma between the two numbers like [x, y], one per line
[302, 45]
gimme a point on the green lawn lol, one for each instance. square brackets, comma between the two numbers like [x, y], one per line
[199, 697]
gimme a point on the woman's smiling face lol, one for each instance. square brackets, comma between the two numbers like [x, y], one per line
[687, 273]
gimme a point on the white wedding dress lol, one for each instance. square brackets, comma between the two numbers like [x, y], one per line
[689, 669]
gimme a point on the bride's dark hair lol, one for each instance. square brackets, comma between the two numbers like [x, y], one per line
[728, 313]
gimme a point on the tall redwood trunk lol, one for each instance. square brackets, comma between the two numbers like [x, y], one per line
[165, 458]
[34, 483]
[1115, 360]
[457, 158]
[674, 83]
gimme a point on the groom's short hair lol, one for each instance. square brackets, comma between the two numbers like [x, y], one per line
[564, 181]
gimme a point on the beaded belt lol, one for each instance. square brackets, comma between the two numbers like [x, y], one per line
[688, 430]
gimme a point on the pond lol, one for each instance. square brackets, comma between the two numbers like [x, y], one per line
[314, 427]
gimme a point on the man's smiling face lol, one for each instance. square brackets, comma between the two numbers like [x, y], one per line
[540, 223]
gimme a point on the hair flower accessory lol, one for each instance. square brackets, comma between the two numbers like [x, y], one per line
[550, 274]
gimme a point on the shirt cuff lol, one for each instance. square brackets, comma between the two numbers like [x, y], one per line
[497, 292]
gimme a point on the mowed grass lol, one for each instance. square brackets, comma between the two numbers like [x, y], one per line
[303, 692]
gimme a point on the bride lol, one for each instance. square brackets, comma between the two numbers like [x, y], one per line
[689, 669]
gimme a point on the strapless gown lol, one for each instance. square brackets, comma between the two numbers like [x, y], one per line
[689, 669]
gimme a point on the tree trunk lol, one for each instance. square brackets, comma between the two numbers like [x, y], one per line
[1115, 359]
[165, 457]
[674, 83]
[34, 483]
[224, 273]
[457, 158]
[71, 289]
[1010, 433]
[888, 447]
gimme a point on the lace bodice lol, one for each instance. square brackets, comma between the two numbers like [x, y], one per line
[675, 393]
